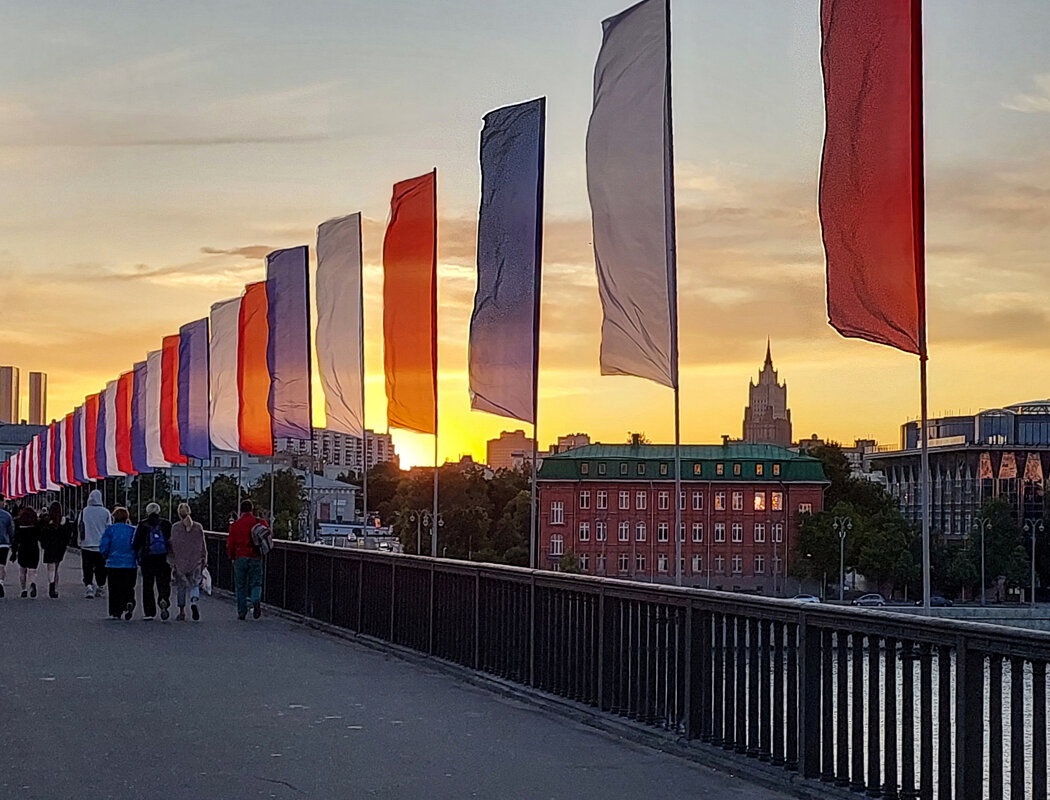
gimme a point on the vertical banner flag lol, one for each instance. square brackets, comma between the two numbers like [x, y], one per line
[52, 458]
[193, 390]
[410, 305]
[112, 463]
[222, 370]
[139, 460]
[871, 172]
[504, 329]
[253, 375]
[125, 388]
[169, 392]
[41, 460]
[78, 445]
[33, 465]
[288, 345]
[100, 437]
[66, 464]
[339, 323]
[630, 183]
[91, 436]
[154, 448]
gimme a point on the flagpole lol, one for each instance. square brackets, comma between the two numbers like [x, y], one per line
[534, 533]
[211, 489]
[361, 346]
[434, 521]
[272, 523]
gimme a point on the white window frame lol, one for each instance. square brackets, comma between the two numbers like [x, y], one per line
[720, 531]
[640, 500]
[623, 531]
[760, 565]
[760, 532]
[557, 512]
[698, 564]
[625, 500]
[584, 534]
[663, 501]
[557, 545]
[585, 499]
[601, 499]
[737, 564]
[720, 501]
[760, 501]
[623, 563]
[601, 530]
[639, 532]
[698, 501]
[738, 532]
[661, 562]
[738, 501]
[698, 531]
[663, 530]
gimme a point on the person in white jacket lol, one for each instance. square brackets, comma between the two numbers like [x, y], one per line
[94, 520]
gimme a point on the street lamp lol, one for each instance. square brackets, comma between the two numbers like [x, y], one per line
[1033, 526]
[842, 526]
[422, 518]
[986, 525]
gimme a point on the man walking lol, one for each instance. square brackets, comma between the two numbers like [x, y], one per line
[247, 561]
[94, 520]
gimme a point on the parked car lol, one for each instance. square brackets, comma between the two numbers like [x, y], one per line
[937, 601]
[806, 598]
[870, 600]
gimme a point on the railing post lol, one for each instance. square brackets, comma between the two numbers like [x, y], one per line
[687, 688]
[430, 614]
[601, 649]
[808, 697]
[477, 614]
[969, 722]
[393, 583]
[532, 630]
[360, 589]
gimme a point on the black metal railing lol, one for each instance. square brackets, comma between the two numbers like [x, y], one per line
[887, 704]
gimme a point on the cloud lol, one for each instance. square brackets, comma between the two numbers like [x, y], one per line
[1038, 103]
[255, 251]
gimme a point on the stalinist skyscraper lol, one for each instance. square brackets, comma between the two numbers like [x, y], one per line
[767, 419]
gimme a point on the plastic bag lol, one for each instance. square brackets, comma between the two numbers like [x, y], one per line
[206, 581]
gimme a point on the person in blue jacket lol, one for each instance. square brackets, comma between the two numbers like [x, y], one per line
[117, 547]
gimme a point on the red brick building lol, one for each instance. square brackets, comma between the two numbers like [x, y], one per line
[610, 505]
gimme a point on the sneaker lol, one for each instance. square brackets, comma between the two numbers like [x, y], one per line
[32, 590]
[1, 590]
[51, 590]
[150, 618]
[181, 616]
[100, 591]
[239, 616]
[194, 613]
[164, 609]
[26, 594]
[89, 592]
[256, 609]
[128, 609]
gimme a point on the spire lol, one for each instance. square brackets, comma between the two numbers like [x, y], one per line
[769, 357]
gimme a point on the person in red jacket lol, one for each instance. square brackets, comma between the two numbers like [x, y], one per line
[247, 561]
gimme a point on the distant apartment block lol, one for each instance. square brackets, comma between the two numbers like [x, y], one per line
[338, 453]
[9, 395]
[37, 398]
[500, 453]
[571, 441]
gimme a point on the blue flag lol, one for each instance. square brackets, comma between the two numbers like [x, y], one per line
[192, 398]
[288, 346]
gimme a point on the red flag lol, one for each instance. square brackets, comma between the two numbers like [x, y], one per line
[125, 387]
[410, 305]
[91, 435]
[169, 405]
[871, 179]
[253, 375]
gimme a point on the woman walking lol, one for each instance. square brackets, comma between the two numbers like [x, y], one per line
[153, 544]
[26, 549]
[189, 557]
[117, 547]
[55, 531]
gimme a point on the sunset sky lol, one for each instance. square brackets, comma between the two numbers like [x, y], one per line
[152, 154]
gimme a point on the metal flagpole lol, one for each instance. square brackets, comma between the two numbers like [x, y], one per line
[534, 533]
[271, 493]
[211, 490]
[313, 470]
[434, 521]
[364, 427]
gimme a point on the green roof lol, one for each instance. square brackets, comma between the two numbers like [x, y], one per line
[699, 462]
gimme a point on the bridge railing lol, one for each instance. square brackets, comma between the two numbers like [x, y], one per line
[891, 705]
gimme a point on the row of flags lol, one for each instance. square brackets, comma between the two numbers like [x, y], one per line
[242, 376]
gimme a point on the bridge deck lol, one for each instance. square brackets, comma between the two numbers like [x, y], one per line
[224, 709]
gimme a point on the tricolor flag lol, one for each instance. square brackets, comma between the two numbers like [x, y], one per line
[253, 375]
[288, 344]
[222, 369]
[169, 401]
[193, 390]
[410, 305]
[871, 176]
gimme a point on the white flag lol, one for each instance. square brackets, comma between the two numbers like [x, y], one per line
[154, 450]
[222, 368]
[630, 183]
[110, 399]
[339, 323]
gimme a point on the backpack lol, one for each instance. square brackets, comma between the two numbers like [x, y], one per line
[262, 538]
[158, 545]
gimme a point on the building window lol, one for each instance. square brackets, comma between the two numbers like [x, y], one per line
[585, 468]
[778, 501]
[720, 469]
[663, 500]
[760, 501]
[805, 508]
[624, 531]
[778, 565]
[623, 467]
[639, 501]
[720, 565]
[602, 499]
[585, 499]
[557, 544]
[176, 483]
[599, 563]
[697, 469]
[584, 561]
[601, 471]
[736, 469]
[217, 461]
[624, 562]
[760, 565]
[698, 531]
[698, 564]
[585, 531]
[639, 532]
[600, 530]
[639, 562]
[663, 468]
[738, 501]
[625, 500]
[661, 532]
[661, 563]
[681, 532]
[720, 531]
[738, 532]
[776, 469]
[698, 501]
[738, 565]
[758, 469]
[720, 501]
[641, 467]
[557, 513]
[760, 532]
[778, 531]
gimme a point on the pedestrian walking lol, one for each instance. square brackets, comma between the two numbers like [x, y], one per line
[26, 549]
[152, 544]
[189, 557]
[247, 561]
[117, 547]
[94, 520]
[55, 532]
[7, 533]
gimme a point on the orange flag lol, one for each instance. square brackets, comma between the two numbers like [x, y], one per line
[253, 376]
[410, 305]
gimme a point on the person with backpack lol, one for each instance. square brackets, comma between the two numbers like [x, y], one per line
[189, 557]
[94, 520]
[247, 559]
[117, 546]
[152, 545]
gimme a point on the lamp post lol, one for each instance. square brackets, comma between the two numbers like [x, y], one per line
[1033, 526]
[842, 526]
[423, 518]
[986, 526]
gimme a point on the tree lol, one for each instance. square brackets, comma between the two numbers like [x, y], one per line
[148, 488]
[570, 563]
[217, 504]
[289, 502]
[384, 481]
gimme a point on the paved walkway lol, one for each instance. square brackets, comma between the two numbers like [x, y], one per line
[96, 709]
